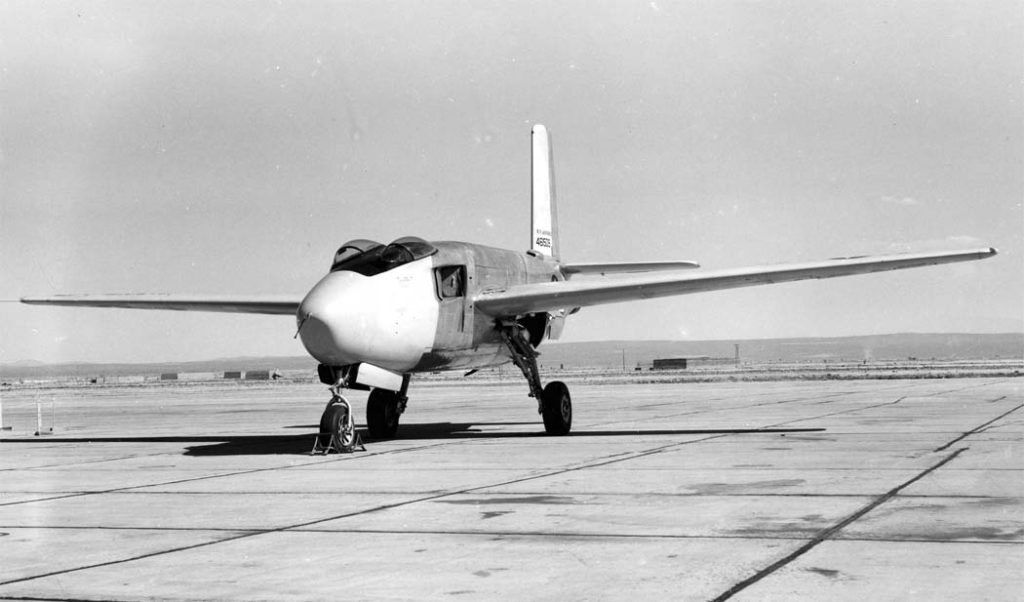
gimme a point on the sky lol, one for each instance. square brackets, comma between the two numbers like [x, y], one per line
[231, 147]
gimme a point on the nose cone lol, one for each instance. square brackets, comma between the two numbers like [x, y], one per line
[387, 320]
[326, 317]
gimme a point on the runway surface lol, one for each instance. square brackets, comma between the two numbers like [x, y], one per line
[839, 490]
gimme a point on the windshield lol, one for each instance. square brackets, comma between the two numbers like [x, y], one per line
[370, 258]
[351, 249]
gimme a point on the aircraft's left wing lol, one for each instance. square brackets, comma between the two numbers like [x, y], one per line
[551, 296]
[626, 268]
[252, 304]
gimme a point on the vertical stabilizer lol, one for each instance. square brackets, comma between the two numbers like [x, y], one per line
[544, 234]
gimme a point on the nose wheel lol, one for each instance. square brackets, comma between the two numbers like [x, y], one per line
[337, 428]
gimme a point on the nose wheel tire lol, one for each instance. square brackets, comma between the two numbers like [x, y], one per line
[337, 423]
[382, 413]
[556, 407]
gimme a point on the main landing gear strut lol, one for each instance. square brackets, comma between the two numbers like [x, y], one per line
[337, 424]
[553, 401]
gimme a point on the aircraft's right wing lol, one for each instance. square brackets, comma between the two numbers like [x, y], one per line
[551, 296]
[253, 304]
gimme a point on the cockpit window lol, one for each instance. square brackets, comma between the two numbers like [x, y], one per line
[351, 249]
[370, 258]
[451, 281]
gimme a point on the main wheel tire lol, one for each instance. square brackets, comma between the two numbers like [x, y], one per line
[382, 413]
[336, 422]
[557, 409]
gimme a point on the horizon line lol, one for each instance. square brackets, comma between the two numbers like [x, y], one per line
[30, 363]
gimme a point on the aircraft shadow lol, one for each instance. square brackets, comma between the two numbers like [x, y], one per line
[533, 423]
[454, 430]
[292, 444]
[245, 445]
[219, 445]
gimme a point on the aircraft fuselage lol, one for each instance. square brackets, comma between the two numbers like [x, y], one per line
[419, 315]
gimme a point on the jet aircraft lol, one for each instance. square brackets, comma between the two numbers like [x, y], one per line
[384, 312]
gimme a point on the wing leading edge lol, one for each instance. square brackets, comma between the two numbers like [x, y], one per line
[551, 296]
[257, 304]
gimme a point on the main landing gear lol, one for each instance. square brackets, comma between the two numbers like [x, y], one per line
[553, 401]
[337, 424]
[383, 408]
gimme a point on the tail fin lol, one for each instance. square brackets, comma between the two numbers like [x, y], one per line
[544, 235]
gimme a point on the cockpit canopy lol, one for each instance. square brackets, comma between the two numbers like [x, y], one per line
[369, 258]
[351, 249]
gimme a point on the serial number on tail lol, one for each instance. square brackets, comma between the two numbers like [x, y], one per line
[543, 242]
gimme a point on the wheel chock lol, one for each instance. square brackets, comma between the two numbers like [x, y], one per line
[333, 445]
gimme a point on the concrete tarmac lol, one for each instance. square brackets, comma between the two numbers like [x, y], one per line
[837, 490]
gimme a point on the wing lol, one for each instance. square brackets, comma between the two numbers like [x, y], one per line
[551, 296]
[603, 269]
[256, 304]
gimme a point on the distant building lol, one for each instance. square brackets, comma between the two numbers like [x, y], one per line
[233, 374]
[672, 363]
[692, 361]
[168, 376]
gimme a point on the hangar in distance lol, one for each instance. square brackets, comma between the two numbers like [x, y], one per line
[387, 311]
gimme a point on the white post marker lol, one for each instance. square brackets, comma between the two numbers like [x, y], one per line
[39, 419]
[2, 427]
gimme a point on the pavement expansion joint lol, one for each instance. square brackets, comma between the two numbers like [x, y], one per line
[978, 428]
[832, 530]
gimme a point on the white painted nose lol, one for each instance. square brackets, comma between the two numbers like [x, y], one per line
[328, 317]
[387, 320]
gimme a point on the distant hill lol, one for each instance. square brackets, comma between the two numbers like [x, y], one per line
[874, 347]
[84, 370]
[605, 354]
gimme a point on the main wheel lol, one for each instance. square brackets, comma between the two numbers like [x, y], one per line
[382, 413]
[557, 409]
[337, 422]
